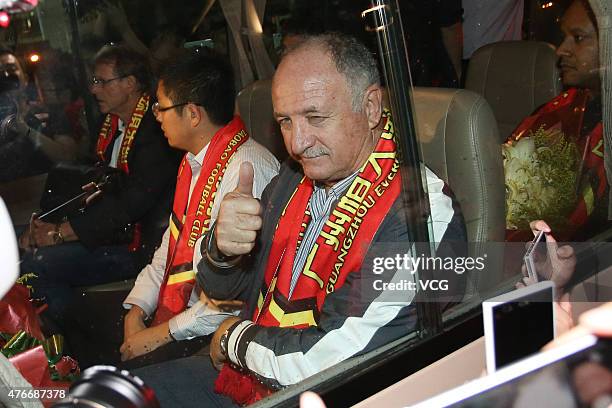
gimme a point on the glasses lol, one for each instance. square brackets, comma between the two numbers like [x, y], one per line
[98, 81]
[158, 109]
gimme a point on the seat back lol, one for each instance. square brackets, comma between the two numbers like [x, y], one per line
[254, 105]
[459, 142]
[458, 136]
[515, 77]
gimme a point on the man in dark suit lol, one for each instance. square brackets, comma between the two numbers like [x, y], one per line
[116, 234]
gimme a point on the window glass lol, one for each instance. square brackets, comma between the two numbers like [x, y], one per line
[552, 141]
[496, 109]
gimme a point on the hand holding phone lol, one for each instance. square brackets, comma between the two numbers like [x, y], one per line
[548, 260]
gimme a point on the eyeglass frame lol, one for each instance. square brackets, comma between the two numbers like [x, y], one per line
[96, 81]
[157, 109]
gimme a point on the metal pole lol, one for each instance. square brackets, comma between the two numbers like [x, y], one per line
[384, 19]
[71, 7]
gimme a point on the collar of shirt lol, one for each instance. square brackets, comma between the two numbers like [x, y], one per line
[117, 143]
[195, 162]
[321, 199]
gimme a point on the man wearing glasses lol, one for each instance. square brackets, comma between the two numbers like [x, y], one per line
[117, 232]
[196, 110]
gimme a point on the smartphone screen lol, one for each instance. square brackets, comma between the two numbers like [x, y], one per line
[522, 327]
[518, 324]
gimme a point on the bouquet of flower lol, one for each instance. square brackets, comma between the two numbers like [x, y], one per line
[540, 175]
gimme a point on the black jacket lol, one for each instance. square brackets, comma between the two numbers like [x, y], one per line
[351, 322]
[144, 196]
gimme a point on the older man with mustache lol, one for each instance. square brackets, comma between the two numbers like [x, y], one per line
[298, 257]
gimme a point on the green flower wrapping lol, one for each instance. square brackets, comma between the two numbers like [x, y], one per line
[540, 175]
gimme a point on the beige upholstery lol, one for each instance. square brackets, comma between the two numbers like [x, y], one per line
[254, 105]
[515, 77]
[458, 138]
[459, 142]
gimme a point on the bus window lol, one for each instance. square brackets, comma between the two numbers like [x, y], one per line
[480, 129]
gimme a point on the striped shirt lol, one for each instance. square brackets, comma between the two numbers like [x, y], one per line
[320, 205]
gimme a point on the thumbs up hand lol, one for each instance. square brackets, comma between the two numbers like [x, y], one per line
[239, 217]
[245, 179]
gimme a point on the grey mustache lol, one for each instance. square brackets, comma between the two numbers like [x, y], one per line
[313, 152]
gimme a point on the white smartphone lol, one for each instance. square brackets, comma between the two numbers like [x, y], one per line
[547, 379]
[9, 253]
[536, 250]
[518, 324]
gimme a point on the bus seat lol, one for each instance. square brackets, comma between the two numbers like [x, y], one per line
[458, 136]
[515, 77]
[254, 105]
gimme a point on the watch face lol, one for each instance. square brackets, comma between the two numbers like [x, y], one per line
[223, 344]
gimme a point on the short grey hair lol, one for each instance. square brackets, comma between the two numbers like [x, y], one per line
[352, 59]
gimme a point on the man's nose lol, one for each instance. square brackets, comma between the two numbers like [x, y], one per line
[93, 88]
[302, 138]
[563, 50]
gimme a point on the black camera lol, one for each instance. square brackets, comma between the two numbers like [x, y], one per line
[107, 386]
[63, 194]
[9, 81]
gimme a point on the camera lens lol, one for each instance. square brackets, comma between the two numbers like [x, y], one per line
[106, 386]
[9, 81]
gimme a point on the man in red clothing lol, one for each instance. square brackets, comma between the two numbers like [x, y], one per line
[296, 256]
[577, 113]
[196, 110]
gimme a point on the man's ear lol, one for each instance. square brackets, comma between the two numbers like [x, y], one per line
[132, 83]
[372, 105]
[195, 114]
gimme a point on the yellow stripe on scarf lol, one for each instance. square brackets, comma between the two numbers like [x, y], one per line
[181, 277]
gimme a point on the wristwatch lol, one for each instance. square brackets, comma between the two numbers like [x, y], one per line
[223, 343]
[58, 238]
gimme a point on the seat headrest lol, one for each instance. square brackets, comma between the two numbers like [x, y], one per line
[515, 77]
[254, 104]
[459, 141]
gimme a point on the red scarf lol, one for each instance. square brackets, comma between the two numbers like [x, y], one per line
[593, 179]
[187, 224]
[107, 135]
[338, 250]
[567, 110]
[109, 130]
